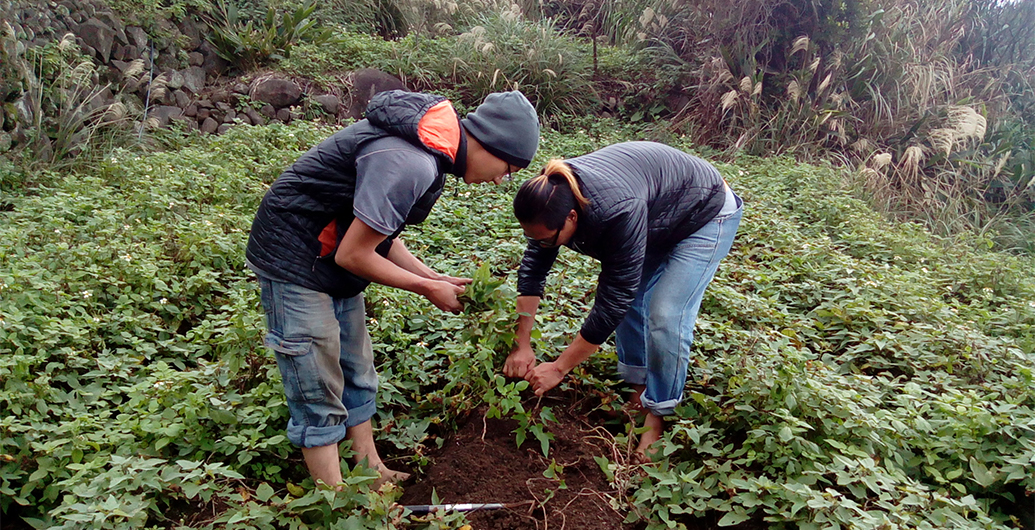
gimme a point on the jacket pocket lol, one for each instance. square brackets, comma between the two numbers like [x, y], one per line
[299, 368]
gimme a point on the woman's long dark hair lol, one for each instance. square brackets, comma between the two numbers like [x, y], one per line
[548, 198]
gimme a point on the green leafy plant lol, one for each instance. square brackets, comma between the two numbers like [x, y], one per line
[249, 44]
[847, 370]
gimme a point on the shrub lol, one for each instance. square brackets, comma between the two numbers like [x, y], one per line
[249, 44]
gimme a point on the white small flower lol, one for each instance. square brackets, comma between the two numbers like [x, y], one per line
[87, 294]
[114, 160]
[208, 223]
[56, 231]
[1030, 303]
[128, 258]
[924, 269]
[422, 344]
[373, 321]
[163, 301]
[171, 204]
[987, 290]
[96, 319]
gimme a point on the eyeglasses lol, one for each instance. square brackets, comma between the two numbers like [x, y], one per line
[546, 242]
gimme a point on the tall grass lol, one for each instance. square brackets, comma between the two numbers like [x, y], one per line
[506, 52]
[68, 117]
[941, 91]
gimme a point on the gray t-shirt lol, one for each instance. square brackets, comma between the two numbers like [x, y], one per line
[392, 174]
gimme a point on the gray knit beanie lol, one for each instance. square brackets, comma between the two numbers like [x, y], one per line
[507, 126]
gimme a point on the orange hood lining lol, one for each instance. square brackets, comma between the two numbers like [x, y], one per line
[440, 129]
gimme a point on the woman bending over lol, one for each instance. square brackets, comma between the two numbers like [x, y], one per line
[659, 221]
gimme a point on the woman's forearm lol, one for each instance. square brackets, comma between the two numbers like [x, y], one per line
[579, 350]
[526, 309]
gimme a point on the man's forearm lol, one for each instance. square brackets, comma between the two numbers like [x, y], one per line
[381, 270]
[401, 256]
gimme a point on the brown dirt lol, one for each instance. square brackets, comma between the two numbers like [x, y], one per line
[481, 463]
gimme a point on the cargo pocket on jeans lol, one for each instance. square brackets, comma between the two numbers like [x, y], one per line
[298, 367]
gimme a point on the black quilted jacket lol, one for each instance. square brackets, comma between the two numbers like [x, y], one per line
[644, 197]
[313, 198]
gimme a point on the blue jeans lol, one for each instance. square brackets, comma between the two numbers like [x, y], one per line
[655, 337]
[325, 359]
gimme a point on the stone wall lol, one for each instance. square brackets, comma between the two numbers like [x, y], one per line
[173, 69]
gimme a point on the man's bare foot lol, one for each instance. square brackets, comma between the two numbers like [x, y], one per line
[389, 475]
[655, 428]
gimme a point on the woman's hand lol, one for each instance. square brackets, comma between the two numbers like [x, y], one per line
[520, 361]
[545, 376]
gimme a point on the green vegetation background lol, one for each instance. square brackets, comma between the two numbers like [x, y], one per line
[847, 369]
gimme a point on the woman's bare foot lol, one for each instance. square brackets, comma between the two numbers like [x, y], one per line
[389, 475]
[655, 428]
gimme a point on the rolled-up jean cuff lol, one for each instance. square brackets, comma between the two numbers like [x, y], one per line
[664, 408]
[361, 413]
[634, 375]
[314, 436]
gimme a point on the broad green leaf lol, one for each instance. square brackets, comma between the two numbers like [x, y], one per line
[264, 492]
[982, 475]
[733, 518]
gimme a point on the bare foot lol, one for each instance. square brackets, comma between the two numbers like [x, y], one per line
[389, 475]
[655, 428]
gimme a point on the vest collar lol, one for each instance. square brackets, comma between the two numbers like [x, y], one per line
[460, 163]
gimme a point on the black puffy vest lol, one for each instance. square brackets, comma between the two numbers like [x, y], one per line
[314, 197]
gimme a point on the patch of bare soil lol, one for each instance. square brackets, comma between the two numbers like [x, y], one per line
[481, 463]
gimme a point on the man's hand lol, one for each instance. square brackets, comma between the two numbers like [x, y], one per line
[544, 377]
[520, 361]
[453, 280]
[443, 294]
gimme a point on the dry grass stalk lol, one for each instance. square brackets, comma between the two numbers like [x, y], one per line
[729, 99]
[862, 145]
[800, 44]
[793, 91]
[135, 68]
[966, 123]
[961, 125]
[909, 168]
[881, 160]
[746, 85]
